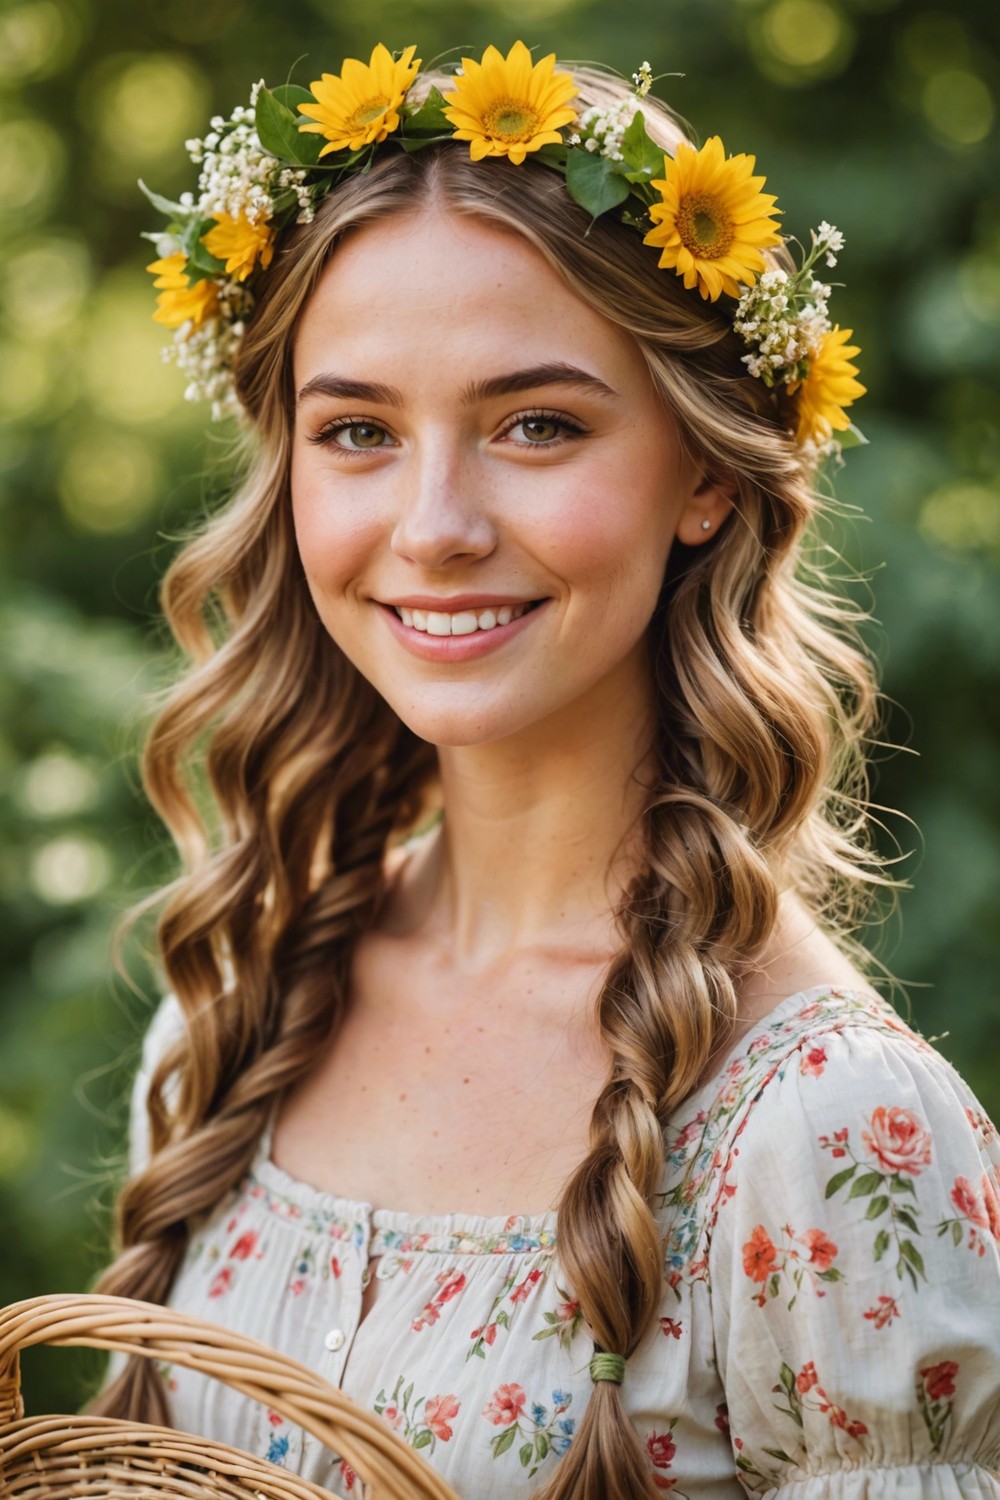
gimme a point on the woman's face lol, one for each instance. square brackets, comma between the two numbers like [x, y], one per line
[485, 485]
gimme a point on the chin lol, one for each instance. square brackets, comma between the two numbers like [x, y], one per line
[460, 726]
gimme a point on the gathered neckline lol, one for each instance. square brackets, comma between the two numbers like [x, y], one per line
[401, 1229]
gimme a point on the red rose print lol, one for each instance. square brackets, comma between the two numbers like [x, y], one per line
[884, 1312]
[671, 1327]
[813, 1062]
[567, 1311]
[967, 1201]
[898, 1140]
[438, 1412]
[505, 1405]
[722, 1417]
[392, 1415]
[347, 1474]
[806, 1378]
[275, 1418]
[450, 1283]
[661, 1449]
[939, 1380]
[335, 1266]
[759, 1255]
[523, 1288]
[245, 1246]
[822, 1250]
[222, 1282]
[991, 1202]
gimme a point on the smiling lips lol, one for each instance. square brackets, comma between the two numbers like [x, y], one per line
[464, 622]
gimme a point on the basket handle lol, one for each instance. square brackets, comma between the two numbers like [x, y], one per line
[394, 1469]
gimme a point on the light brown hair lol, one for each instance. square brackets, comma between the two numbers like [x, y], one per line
[764, 700]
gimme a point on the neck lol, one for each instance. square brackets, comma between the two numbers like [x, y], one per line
[542, 831]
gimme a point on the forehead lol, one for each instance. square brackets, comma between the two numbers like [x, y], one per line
[451, 293]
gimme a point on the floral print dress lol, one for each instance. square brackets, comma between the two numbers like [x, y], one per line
[830, 1321]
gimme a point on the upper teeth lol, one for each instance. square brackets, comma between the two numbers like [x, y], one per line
[464, 623]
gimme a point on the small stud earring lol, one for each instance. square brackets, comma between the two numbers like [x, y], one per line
[706, 525]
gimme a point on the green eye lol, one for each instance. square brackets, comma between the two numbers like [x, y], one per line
[541, 429]
[364, 435]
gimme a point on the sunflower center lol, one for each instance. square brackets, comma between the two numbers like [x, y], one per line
[365, 113]
[704, 226]
[511, 120]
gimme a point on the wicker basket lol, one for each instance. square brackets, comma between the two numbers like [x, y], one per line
[54, 1458]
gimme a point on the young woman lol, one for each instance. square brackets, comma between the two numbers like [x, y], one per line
[518, 1072]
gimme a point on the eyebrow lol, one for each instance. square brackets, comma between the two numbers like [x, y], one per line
[510, 384]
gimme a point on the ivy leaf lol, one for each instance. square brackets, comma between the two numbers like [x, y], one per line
[837, 1181]
[594, 183]
[642, 156]
[279, 131]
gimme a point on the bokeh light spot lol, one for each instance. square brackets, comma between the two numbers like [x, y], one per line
[56, 784]
[18, 1142]
[123, 367]
[37, 40]
[107, 482]
[962, 516]
[958, 106]
[141, 109]
[797, 42]
[70, 869]
[45, 284]
[26, 380]
[32, 160]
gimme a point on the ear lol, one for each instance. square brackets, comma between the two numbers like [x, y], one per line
[707, 508]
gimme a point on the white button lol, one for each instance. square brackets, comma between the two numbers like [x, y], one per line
[334, 1340]
[388, 1266]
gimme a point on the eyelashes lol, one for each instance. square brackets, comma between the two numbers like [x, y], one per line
[371, 434]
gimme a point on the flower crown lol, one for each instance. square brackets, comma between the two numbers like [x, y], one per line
[270, 164]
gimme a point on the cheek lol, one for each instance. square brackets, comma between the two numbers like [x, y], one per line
[334, 536]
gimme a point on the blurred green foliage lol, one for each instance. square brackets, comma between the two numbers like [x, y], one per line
[877, 114]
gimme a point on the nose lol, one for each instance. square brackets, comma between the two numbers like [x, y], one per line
[443, 511]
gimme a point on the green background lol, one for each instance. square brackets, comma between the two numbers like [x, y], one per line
[879, 116]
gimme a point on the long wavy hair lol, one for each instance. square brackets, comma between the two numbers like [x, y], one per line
[283, 776]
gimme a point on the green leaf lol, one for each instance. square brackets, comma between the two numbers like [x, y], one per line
[831, 1275]
[899, 1184]
[837, 1181]
[594, 183]
[407, 1394]
[906, 1218]
[199, 258]
[852, 437]
[910, 1253]
[280, 135]
[773, 1285]
[291, 94]
[868, 1182]
[956, 1232]
[165, 205]
[541, 1445]
[430, 118]
[778, 1453]
[503, 1318]
[788, 1378]
[423, 1438]
[525, 1454]
[504, 1441]
[643, 157]
[877, 1206]
[881, 1243]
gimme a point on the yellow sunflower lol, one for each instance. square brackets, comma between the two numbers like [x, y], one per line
[180, 302]
[360, 104]
[828, 387]
[240, 244]
[713, 221]
[506, 107]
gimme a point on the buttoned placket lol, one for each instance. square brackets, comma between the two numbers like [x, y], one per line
[338, 1339]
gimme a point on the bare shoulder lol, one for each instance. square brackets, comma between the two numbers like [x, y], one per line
[799, 956]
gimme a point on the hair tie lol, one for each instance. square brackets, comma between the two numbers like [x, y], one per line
[605, 1366]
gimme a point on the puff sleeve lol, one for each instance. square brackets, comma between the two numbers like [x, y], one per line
[855, 1274]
